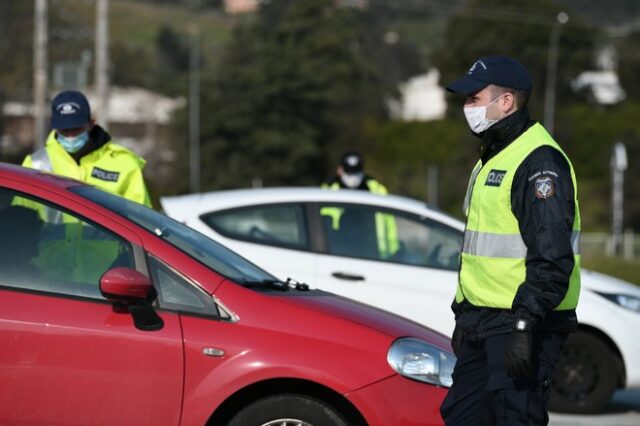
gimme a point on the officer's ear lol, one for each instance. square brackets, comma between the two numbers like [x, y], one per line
[508, 103]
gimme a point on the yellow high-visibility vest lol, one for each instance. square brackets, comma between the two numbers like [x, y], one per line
[493, 253]
[70, 250]
[386, 229]
[111, 167]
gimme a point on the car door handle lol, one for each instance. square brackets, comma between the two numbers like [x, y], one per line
[347, 277]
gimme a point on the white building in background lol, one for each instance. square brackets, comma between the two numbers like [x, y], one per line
[138, 119]
[603, 83]
[422, 99]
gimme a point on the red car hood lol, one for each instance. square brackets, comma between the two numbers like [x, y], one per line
[368, 316]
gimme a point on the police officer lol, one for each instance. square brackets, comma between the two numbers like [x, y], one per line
[80, 149]
[520, 268]
[350, 175]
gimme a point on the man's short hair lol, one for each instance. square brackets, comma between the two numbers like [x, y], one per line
[521, 96]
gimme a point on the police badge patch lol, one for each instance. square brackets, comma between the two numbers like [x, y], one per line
[495, 177]
[544, 187]
[105, 175]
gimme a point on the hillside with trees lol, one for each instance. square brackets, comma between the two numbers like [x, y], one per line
[286, 89]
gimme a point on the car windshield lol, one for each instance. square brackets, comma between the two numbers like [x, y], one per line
[212, 254]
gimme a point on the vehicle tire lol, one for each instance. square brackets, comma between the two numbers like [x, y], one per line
[287, 410]
[586, 375]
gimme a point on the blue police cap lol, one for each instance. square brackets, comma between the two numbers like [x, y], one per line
[69, 110]
[498, 70]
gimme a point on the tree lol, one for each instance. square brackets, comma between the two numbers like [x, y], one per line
[520, 29]
[293, 86]
[629, 54]
[16, 49]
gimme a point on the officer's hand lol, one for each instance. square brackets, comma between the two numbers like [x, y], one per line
[519, 353]
[456, 340]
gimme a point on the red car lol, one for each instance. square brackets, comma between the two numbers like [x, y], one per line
[112, 313]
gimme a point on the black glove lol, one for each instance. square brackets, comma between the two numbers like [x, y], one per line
[456, 340]
[518, 352]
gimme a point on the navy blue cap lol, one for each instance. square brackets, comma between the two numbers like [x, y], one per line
[498, 70]
[352, 162]
[69, 110]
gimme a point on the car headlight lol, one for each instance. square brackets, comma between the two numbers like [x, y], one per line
[418, 360]
[624, 300]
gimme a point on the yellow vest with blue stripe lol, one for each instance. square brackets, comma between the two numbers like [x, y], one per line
[493, 255]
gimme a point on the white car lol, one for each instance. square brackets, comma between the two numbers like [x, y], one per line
[301, 233]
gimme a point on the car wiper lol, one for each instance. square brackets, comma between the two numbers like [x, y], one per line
[297, 284]
[270, 283]
[276, 284]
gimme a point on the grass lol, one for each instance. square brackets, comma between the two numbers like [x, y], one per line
[138, 23]
[614, 266]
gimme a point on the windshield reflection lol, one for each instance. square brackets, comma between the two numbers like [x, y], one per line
[210, 253]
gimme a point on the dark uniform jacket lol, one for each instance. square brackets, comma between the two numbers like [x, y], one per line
[546, 230]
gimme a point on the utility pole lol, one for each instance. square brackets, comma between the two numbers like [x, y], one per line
[194, 110]
[552, 71]
[432, 186]
[618, 166]
[40, 72]
[102, 62]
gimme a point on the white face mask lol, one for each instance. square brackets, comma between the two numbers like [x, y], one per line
[352, 180]
[477, 117]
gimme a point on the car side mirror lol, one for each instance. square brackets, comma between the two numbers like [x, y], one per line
[131, 291]
[125, 285]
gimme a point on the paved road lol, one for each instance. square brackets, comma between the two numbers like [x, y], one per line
[623, 410]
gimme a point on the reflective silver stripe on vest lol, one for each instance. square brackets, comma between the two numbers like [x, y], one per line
[467, 195]
[40, 160]
[508, 246]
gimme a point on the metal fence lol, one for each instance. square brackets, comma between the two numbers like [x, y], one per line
[602, 243]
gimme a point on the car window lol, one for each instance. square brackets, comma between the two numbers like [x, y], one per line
[47, 249]
[280, 225]
[379, 234]
[176, 293]
[210, 253]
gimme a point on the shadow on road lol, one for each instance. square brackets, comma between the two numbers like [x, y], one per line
[624, 401]
[623, 410]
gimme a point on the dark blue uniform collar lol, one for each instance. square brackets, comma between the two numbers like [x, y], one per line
[501, 134]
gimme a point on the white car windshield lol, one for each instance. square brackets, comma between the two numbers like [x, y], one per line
[210, 253]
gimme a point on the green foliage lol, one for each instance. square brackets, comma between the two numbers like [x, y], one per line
[292, 86]
[287, 90]
[154, 52]
[198, 4]
[629, 54]
[401, 152]
[522, 30]
[627, 270]
[16, 20]
[588, 133]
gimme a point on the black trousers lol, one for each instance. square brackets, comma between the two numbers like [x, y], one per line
[483, 393]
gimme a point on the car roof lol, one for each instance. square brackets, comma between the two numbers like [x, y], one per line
[36, 177]
[187, 206]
